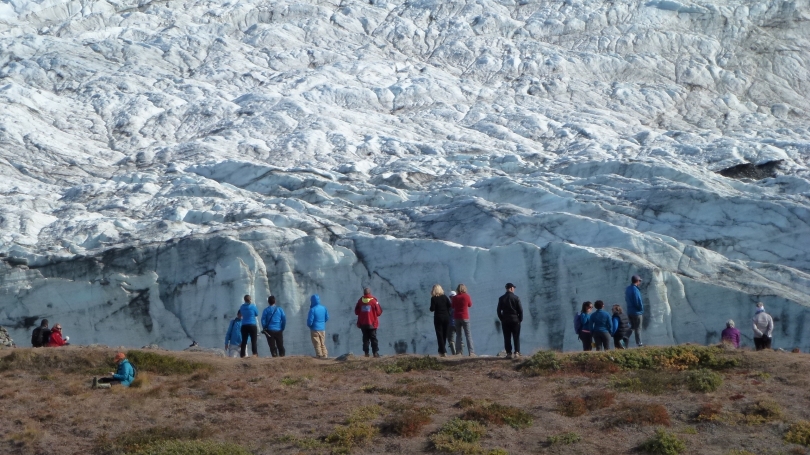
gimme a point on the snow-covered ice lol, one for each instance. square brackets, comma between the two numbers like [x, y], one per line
[161, 159]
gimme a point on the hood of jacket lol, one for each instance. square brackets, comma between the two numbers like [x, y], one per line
[314, 301]
[367, 298]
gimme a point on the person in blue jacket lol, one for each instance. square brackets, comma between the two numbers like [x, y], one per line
[316, 321]
[273, 322]
[124, 375]
[581, 324]
[249, 329]
[601, 326]
[635, 308]
[233, 337]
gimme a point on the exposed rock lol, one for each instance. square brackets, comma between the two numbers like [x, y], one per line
[5, 338]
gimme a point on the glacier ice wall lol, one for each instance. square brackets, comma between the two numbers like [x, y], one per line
[161, 159]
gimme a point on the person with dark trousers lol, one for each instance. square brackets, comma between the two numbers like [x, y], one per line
[763, 328]
[451, 329]
[442, 309]
[620, 328]
[274, 321]
[581, 324]
[124, 374]
[249, 329]
[510, 312]
[41, 335]
[600, 325]
[368, 311]
[635, 308]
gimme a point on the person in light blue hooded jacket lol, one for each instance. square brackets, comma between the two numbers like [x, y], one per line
[233, 337]
[316, 321]
[274, 321]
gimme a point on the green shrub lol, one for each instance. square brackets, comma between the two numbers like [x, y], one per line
[498, 452]
[192, 448]
[663, 443]
[134, 441]
[303, 442]
[703, 381]
[352, 435]
[799, 433]
[163, 364]
[564, 438]
[499, 414]
[458, 436]
[364, 414]
[762, 411]
[542, 362]
[682, 357]
[412, 364]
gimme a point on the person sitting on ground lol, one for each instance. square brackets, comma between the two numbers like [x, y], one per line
[731, 335]
[56, 339]
[124, 375]
[233, 337]
[41, 335]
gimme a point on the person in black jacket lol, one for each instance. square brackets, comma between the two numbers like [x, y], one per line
[510, 312]
[621, 328]
[41, 335]
[442, 310]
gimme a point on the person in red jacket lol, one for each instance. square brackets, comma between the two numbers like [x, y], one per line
[461, 313]
[368, 310]
[56, 339]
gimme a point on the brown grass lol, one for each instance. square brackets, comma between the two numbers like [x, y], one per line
[571, 406]
[641, 414]
[409, 422]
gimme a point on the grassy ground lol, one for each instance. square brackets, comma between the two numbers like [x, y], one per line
[653, 400]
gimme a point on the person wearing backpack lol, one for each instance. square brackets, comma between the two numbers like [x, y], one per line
[124, 375]
[510, 313]
[274, 322]
[233, 337]
[442, 309]
[621, 328]
[600, 326]
[41, 335]
[368, 312]
[581, 321]
[249, 330]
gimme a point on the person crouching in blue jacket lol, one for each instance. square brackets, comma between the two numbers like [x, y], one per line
[601, 326]
[233, 337]
[316, 321]
[124, 375]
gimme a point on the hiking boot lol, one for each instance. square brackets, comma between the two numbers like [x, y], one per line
[103, 386]
[376, 355]
[517, 354]
[95, 383]
[365, 355]
[442, 355]
[509, 355]
[472, 354]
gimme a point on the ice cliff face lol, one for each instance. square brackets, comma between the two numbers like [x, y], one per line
[161, 159]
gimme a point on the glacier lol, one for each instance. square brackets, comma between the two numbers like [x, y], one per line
[162, 158]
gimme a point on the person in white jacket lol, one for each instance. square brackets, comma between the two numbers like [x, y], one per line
[763, 328]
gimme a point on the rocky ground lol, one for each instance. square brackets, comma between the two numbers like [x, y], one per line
[713, 401]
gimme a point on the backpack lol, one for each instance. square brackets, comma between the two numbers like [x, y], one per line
[577, 324]
[40, 337]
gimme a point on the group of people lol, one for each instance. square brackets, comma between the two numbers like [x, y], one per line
[43, 336]
[596, 329]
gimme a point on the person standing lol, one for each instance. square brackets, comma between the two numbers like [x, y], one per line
[635, 308]
[510, 313]
[249, 330]
[368, 311]
[451, 327]
[461, 313]
[124, 375]
[620, 328]
[600, 325]
[274, 321]
[731, 335]
[763, 328]
[316, 321]
[442, 309]
[233, 337]
[581, 324]
[56, 339]
[41, 335]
